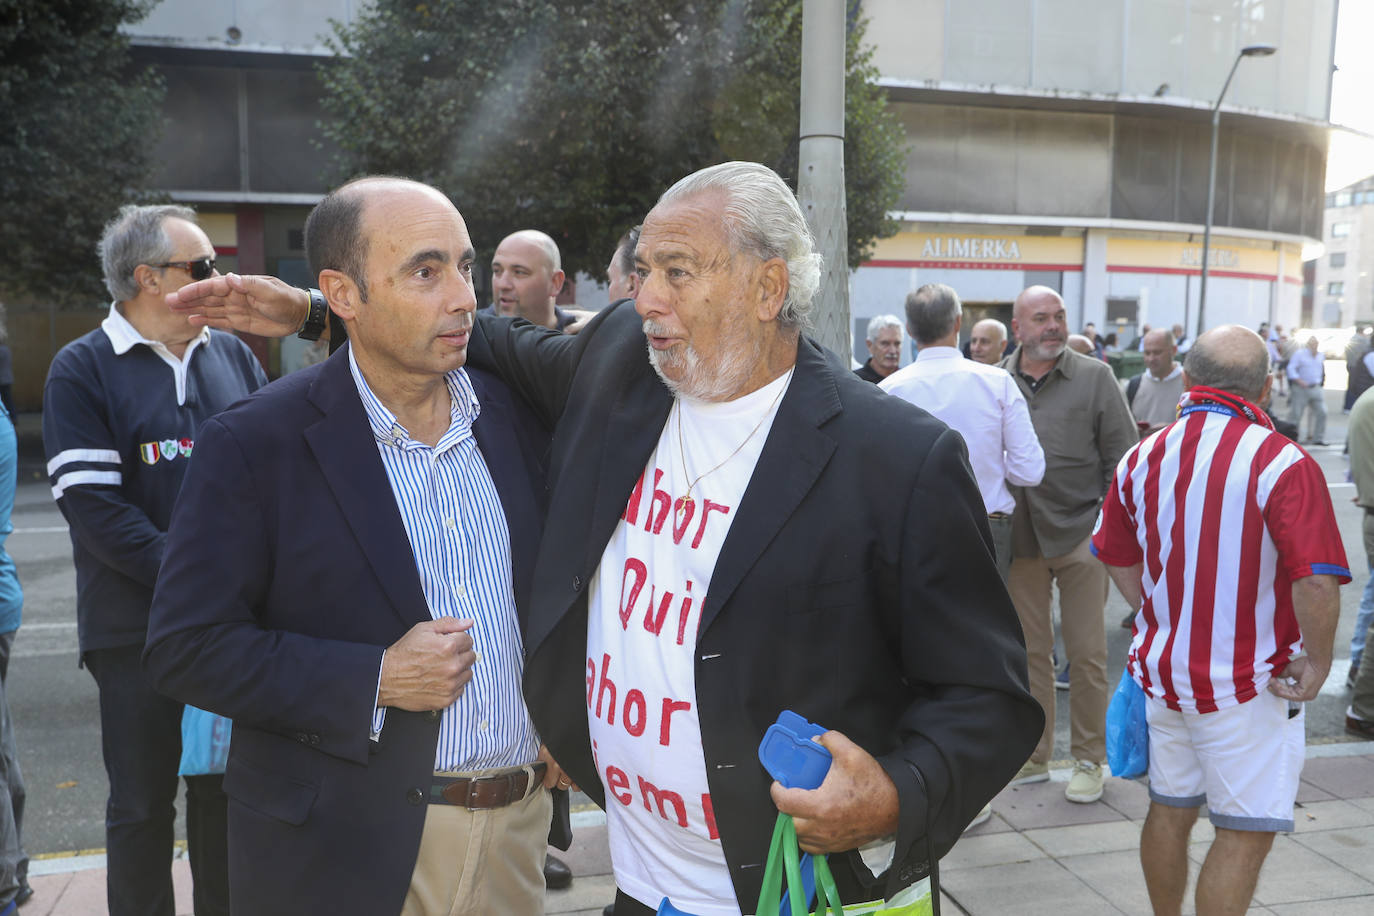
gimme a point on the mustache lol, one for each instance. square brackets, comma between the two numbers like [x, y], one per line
[653, 329]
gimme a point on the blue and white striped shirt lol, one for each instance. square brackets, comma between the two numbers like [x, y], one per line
[457, 529]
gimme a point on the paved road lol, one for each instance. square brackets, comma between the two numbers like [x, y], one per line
[54, 702]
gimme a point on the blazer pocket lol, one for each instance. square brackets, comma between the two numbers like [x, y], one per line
[272, 794]
[814, 597]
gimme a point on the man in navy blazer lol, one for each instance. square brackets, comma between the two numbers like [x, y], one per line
[341, 579]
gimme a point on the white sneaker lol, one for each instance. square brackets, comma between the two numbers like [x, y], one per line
[1085, 785]
[980, 818]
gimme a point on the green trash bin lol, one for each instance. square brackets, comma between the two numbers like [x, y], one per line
[1126, 363]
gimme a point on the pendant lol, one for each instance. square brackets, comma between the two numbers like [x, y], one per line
[682, 509]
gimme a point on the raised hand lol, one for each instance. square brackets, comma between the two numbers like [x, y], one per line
[258, 305]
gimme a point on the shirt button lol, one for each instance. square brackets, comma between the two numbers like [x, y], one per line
[448, 523]
[476, 657]
[460, 590]
[482, 726]
[415, 796]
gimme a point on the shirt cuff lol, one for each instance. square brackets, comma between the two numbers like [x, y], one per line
[378, 713]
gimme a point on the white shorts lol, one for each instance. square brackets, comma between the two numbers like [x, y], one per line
[1243, 761]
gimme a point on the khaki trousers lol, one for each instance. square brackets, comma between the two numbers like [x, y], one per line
[476, 863]
[1082, 582]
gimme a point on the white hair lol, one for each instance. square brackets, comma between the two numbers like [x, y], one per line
[763, 218]
[881, 323]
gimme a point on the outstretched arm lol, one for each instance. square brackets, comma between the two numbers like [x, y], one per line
[259, 305]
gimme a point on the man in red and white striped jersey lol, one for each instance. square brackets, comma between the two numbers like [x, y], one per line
[1221, 532]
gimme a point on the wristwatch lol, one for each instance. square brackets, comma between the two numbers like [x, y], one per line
[315, 318]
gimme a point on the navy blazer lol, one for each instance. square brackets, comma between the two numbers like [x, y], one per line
[857, 587]
[288, 571]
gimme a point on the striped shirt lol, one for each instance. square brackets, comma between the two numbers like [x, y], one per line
[1224, 515]
[457, 529]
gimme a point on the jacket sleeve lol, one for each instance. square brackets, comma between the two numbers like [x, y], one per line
[208, 643]
[87, 478]
[1116, 429]
[1025, 459]
[972, 721]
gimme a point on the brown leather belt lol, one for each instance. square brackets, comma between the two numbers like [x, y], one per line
[485, 792]
[999, 515]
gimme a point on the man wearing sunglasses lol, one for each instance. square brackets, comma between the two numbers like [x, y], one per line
[120, 412]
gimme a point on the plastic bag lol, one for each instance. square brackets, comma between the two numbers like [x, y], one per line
[1128, 737]
[204, 742]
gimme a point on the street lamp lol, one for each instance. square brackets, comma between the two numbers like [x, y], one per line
[1247, 51]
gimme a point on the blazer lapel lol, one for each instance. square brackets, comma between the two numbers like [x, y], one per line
[793, 456]
[343, 444]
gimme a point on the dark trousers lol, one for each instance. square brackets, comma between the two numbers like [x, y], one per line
[140, 734]
[629, 906]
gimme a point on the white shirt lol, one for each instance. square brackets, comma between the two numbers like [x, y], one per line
[124, 337]
[1307, 367]
[984, 405]
[644, 607]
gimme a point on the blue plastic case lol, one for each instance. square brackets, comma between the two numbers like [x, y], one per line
[790, 756]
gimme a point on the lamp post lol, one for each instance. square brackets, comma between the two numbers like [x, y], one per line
[1247, 51]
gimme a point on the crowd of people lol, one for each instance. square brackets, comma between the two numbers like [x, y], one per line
[479, 557]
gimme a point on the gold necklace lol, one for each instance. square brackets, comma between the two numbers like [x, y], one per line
[686, 502]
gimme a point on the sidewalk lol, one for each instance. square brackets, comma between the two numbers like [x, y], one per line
[1037, 854]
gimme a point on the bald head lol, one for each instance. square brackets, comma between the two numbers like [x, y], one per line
[335, 234]
[526, 276]
[1040, 324]
[1081, 344]
[1158, 349]
[987, 340]
[1232, 358]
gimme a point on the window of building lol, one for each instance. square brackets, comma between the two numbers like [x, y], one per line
[1338, 259]
[1342, 199]
[1335, 288]
[1340, 230]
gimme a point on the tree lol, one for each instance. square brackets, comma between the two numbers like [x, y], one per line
[574, 116]
[74, 140]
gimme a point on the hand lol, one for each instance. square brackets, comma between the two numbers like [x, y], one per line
[264, 306]
[554, 777]
[1309, 676]
[856, 803]
[428, 668]
[580, 319]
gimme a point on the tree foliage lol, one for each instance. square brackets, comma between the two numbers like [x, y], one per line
[574, 116]
[75, 138]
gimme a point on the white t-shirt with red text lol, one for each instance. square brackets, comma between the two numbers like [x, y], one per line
[644, 606]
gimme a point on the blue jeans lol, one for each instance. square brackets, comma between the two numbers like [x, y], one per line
[140, 734]
[1362, 622]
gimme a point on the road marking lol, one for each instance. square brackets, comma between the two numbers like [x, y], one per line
[48, 626]
[55, 529]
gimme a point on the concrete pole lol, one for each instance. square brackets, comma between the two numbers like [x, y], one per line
[820, 184]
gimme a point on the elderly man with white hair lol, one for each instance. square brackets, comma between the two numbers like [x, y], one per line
[884, 342]
[732, 533]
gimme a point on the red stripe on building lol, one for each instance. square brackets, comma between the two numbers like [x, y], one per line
[971, 265]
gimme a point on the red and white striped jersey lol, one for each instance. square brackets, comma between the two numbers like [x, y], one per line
[1224, 514]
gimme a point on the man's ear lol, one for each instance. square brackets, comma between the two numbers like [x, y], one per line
[772, 286]
[147, 278]
[341, 293]
[1187, 382]
[556, 282]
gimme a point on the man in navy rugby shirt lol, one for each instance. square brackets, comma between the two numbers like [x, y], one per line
[120, 412]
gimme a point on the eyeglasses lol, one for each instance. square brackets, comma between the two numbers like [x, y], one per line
[199, 269]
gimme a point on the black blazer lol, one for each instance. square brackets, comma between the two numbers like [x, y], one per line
[857, 586]
[287, 573]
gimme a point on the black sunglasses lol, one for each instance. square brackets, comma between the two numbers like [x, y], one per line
[199, 270]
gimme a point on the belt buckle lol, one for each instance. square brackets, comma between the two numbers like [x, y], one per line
[508, 778]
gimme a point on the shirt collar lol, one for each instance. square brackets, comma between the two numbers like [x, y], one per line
[124, 336]
[1064, 365]
[1177, 371]
[463, 408]
[930, 353]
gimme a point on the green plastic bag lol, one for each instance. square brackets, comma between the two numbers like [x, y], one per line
[784, 862]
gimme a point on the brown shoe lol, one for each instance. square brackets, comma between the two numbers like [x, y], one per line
[1360, 728]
